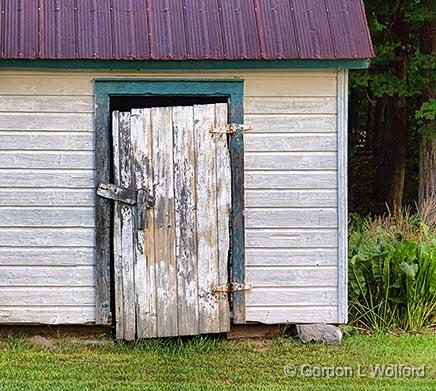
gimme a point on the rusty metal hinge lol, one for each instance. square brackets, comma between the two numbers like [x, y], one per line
[229, 129]
[231, 288]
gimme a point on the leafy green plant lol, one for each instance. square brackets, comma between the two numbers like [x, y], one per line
[392, 273]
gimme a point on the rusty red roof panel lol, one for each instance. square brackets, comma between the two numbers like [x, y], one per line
[276, 29]
[184, 29]
[204, 24]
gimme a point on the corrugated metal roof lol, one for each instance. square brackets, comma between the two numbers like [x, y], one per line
[184, 29]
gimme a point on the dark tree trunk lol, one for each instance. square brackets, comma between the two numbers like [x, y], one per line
[392, 123]
[427, 153]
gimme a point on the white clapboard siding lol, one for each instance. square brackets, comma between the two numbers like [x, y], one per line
[290, 87]
[289, 111]
[50, 315]
[46, 159]
[47, 256]
[290, 179]
[51, 84]
[46, 217]
[47, 197]
[290, 198]
[283, 238]
[47, 237]
[290, 161]
[49, 104]
[47, 296]
[46, 141]
[293, 314]
[291, 217]
[289, 142]
[37, 178]
[284, 276]
[46, 276]
[291, 201]
[47, 121]
[279, 123]
[279, 105]
[291, 257]
[296, 295]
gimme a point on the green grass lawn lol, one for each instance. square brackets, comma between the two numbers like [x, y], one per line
[202, 364]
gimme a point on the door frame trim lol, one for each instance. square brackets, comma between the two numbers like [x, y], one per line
[104, 88]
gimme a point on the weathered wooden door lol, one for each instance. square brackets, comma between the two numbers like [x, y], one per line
[171, 221]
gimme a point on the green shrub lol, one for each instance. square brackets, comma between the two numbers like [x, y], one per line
[392, 273]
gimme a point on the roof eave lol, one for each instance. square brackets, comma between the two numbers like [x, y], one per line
[185, 64]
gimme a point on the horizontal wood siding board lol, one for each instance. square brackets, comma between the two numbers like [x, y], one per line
[290, 218]
[290, 179]
[302, 296]
[288, 142]
[46, 104]
[295, 238]
[29, 276]
[290, 105]
[47, 296]
[47, 197]
[299, 123]
[53, 85]
[47, 315]
[290, 161]
[76, 179]
[47, 237]
[313, 276]
[291, 87]
[47, 159]
[261, 198]
[291, 257]
[47, 217]
[47, 121]
[46, 256]
[46, 141]
[293, 314]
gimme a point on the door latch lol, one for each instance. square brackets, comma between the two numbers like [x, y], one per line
[229, 129]
[140, 198]
[230, 288]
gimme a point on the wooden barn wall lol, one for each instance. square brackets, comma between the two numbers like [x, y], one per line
[47, 195]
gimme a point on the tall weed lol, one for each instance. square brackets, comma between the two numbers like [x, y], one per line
[392, 272]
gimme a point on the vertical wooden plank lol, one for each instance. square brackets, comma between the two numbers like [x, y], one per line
[145, 287]
[224, 199]
[127, 229]
[342, 131]
[204, 120]
[237, 215]
[102, 212]
[185, 218]
[118, 280]
[164, 234]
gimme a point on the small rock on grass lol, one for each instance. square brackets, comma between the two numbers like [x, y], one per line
[41, 341]
[319, 333]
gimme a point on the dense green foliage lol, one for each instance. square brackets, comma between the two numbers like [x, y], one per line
[392, 273]
[208, 364]
[399, 83]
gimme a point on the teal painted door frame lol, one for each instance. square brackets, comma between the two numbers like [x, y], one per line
[104, 89]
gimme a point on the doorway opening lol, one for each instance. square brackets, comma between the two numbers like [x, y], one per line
[190, 203]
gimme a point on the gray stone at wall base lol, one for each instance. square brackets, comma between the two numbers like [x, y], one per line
[319, 333]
